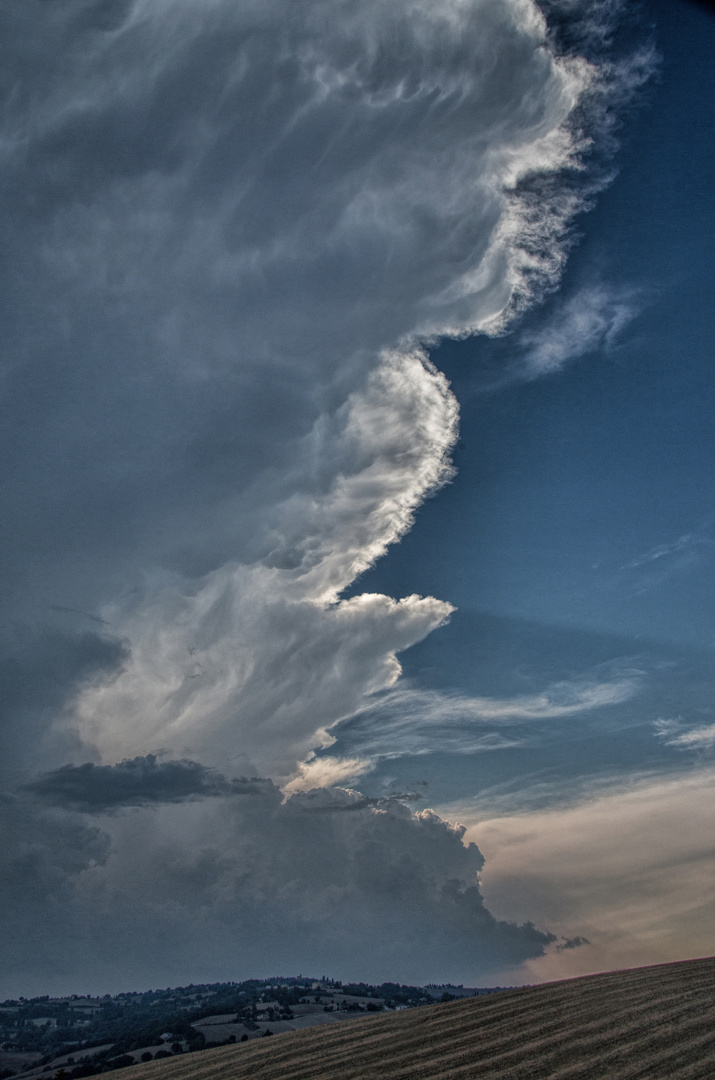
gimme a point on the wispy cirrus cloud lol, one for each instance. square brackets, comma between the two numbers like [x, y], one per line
[675, 732]
[410, 720]
[589, 320]
[685, 543]
[664, 561]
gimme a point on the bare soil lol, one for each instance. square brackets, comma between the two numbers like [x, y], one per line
[643, 1024]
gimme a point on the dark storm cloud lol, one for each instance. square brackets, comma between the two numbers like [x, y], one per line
[249, 885]
[42, 669]
[141, 781]
[43, 851]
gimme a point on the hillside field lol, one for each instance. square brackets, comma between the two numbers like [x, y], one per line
[656, 1022]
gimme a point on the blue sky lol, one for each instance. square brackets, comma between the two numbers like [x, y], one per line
[281, 682]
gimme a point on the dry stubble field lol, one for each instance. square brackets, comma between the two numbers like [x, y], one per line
[656, 1022]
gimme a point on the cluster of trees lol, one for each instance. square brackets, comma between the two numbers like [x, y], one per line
[126, 1024]
[130, 1021]
[392, 993]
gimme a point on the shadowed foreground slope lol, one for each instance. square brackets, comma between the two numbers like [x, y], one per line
[648, 1022]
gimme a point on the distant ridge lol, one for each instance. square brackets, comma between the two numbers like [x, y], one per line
[645, 1023]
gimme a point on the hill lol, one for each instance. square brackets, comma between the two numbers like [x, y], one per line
[656, 1022]
[81, 1035]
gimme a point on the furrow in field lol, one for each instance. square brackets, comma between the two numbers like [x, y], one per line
[648, 1024]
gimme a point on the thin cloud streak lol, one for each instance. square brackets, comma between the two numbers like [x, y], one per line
[676, 733]
[409, 720]
[685, 544]
[591, 319]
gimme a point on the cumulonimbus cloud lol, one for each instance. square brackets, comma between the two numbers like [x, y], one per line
[229, 232]
[249, 884]
[238, 223]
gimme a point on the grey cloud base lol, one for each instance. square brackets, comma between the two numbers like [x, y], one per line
[256, 885]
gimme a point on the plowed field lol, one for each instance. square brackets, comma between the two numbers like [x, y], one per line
[647, 1023]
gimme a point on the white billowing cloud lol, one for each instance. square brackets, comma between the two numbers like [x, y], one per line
[411, 720]
[628, 867]
[325, 772]
[385, 450]
[260, 659]
[591, 319]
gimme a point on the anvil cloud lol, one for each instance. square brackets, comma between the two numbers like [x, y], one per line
[229, 233]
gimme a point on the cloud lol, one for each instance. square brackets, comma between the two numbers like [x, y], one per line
[338, 800]
[591, 319]
[572, 943]
[229, 232]
[700, 738]
[324, 772]
[239, 225]
[684, 543]
[288, 669]
[411, 720]
[644, 899]
[43, 670]
[664, 561]
[43, 852]
[249, 885]
[141, 781]
[675, 733]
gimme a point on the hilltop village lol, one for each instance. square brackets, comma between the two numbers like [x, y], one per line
[47, 1038]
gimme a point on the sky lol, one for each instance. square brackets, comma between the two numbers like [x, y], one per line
[357, 519]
